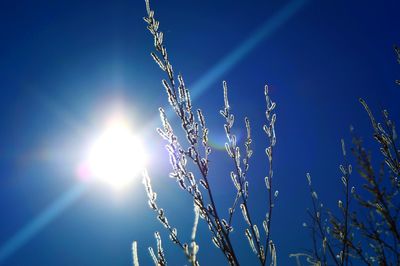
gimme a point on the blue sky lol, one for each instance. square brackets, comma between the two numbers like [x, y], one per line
[65, 64]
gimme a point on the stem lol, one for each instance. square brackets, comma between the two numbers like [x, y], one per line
[217, 220]
[270, 173]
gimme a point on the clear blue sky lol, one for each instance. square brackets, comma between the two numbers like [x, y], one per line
[64, 63]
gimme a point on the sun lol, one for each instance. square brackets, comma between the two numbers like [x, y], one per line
[116, 156]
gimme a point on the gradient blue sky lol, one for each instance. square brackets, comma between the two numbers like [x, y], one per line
[65, 64]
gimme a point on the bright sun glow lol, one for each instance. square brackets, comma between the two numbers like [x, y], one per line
[116, 156]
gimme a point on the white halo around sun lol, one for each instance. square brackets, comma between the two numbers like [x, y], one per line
[117, 156]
